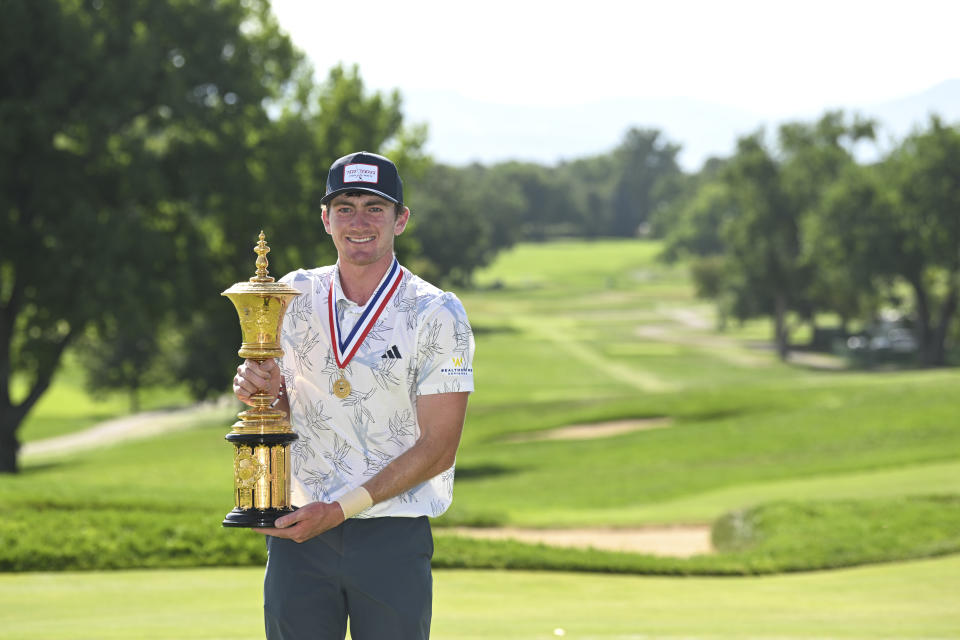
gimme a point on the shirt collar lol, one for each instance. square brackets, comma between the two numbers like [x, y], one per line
[341, 300]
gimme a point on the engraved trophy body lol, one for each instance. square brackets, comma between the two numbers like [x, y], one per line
[262, 437]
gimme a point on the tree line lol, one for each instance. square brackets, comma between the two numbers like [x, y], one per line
[794, 228]
[791, 226]
[146, 143]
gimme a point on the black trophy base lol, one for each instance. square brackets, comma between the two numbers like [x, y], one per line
[251, 518]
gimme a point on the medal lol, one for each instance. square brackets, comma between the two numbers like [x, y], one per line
[345, 347]
[341, 388]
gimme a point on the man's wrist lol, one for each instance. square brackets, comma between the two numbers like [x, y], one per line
[354, 502]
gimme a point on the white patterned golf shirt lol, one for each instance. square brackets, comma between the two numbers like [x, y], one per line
[421, 344]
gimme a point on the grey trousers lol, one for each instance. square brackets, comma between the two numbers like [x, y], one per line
[373, 572]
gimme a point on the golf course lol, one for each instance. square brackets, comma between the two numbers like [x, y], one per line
[607, 401]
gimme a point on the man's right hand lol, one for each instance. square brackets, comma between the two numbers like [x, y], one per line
[253, 376]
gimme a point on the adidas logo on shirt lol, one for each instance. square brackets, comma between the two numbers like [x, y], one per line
[392, 353]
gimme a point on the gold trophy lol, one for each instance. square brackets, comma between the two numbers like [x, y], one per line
[262, 436]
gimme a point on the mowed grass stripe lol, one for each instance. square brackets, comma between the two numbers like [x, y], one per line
[564, 339]
[914, 600]
[920, 479]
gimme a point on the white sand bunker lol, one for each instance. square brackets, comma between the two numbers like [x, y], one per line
[679, 541]
[595, 430]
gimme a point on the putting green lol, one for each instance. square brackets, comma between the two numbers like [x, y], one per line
[905, 601]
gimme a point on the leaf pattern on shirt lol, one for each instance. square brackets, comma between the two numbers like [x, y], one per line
[398, 296]
[323, 284]
[430, 343]
[303, 348]
[451, 387]
[376, 332]
[437, 507]
[338, 457]
[375, 460]
[300, 310]
[408, 307]
[289, 379]
[319, 481]
[401, 427]
[447, 479]
[356, 399]
[407, 496]
[383, 374]
[413, 379]
[461, 335]
[361, 429]
[302, 451]
[314, 418]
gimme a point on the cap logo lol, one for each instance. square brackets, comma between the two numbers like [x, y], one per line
[361, 173]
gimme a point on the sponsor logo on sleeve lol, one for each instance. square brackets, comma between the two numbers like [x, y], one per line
[459, 367]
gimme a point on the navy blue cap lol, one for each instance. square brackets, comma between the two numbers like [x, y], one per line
[364, 171]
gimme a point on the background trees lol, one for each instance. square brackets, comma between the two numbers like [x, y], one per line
[146, 143]
[140, 158]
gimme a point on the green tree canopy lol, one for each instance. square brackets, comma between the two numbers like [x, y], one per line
[145, 143]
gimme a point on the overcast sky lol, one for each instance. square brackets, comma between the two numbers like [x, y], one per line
[773, 58]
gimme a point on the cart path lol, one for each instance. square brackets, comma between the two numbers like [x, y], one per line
[133, 427]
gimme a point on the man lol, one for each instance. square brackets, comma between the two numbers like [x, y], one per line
[375, 376]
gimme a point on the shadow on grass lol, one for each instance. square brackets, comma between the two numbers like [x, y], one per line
[31, 468]
[480, 471]
[487, 330]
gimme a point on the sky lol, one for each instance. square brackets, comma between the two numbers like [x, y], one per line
[774, 59]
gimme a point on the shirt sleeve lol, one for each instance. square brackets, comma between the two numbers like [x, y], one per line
[445, 348]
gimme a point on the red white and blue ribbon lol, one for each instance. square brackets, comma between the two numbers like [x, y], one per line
[345, 347]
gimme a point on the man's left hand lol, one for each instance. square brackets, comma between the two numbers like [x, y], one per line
[306, 522]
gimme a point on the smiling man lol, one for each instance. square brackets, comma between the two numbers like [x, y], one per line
[377, 368]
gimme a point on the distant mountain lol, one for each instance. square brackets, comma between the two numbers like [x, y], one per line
[463, 130]
[899, 117]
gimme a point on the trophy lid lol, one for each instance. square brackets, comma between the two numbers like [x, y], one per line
[261, 283]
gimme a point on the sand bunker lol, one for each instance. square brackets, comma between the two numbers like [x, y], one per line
[595, 430]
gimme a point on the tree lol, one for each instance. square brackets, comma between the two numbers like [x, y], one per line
[849, 239]
[773, 264]
[548, 208]
[461, 218]
[763, 239]
[815, 156]
[119, 121]
[644, 161]
[924, 171]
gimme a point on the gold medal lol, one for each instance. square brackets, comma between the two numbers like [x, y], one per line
[341, 388]
[345, 347]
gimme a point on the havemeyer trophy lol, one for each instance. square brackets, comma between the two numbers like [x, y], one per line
[262, 436]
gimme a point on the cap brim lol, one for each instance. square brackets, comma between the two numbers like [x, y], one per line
[333, 194]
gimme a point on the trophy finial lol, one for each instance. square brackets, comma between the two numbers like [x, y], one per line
[262, 250]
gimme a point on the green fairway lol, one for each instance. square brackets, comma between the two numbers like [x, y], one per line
[920, 479]
[567, 333]
[904, 601]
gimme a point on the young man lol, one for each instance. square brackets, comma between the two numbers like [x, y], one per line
[375, 376]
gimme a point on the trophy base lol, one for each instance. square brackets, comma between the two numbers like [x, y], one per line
[253, 518]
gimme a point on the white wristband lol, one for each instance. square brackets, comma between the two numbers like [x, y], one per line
[354, 502]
